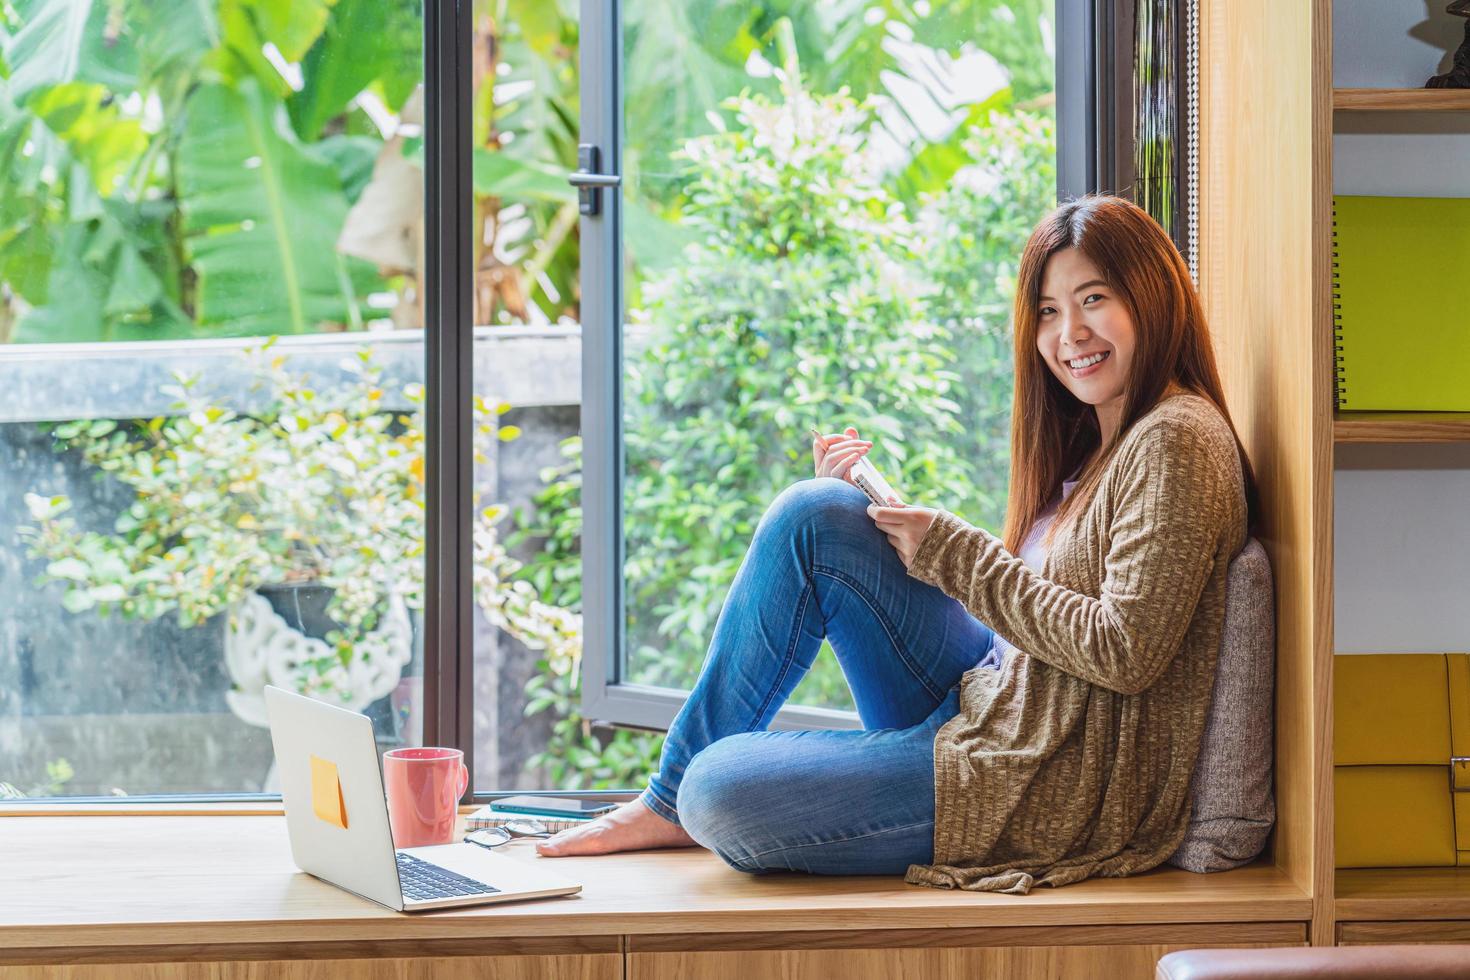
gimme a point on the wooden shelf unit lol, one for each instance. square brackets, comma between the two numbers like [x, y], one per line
[1401, 100]
[1388, 905]
[1267, 108]
[1401, 427]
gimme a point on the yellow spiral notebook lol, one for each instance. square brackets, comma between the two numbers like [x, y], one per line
[1400, 306]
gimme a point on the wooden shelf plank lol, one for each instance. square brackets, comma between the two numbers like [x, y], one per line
[1401, 427]
[148, 881]
[1398, 894]
[1401, 99]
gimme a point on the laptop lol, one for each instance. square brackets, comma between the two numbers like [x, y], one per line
[344, 837]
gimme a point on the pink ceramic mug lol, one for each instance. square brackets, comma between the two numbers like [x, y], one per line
[424, 787]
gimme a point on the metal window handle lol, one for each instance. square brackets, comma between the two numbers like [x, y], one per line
[581, 178]
[588, 182]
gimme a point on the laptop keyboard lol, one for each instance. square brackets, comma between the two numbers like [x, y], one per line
[422, 881]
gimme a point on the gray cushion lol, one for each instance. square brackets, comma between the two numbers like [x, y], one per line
[1234, 808]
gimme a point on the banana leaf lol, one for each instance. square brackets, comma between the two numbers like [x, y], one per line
[342, 63]
[173, 38]
[290, 26]
[61, 41]
[261, 218]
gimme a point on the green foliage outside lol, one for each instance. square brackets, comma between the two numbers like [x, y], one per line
[320, 487]
[183, 168]
[161, 178]
[794, 308]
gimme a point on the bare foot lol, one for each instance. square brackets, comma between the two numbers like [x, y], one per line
[631, 827]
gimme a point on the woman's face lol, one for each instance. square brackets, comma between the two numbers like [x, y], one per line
[1078, 318]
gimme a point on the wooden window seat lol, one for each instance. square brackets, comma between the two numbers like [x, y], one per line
[164, 896]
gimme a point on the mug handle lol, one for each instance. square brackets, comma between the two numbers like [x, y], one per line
[464, 782]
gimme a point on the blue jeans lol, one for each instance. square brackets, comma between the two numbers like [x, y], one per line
[826, 802]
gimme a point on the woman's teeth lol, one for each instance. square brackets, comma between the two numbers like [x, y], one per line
[1082, 363]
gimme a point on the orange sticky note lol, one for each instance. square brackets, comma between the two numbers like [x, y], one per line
[326, 793]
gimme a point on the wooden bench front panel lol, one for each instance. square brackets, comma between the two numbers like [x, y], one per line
[601, 966]
[1013, 963]
[949, 954]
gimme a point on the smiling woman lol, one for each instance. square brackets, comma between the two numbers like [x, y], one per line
[979, 764]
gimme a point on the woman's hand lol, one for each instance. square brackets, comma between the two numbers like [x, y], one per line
[905, 527]
[834, 455]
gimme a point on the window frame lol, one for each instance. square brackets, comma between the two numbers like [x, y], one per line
[1094, 151]
[1089, 38]
[448, 625]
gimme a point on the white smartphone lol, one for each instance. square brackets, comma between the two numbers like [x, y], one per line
[871, 482]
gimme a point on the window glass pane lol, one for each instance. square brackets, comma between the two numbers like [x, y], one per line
[211, 441]
[824, 207]
[528, 392]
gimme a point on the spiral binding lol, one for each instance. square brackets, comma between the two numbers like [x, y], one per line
[1339, 380]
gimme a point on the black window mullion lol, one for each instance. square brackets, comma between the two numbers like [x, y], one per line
[1094, 40]
[1077, 156]
[1115, 40]
[448, 596]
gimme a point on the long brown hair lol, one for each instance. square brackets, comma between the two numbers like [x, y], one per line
[1052, 431]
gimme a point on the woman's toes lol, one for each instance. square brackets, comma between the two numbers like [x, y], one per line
[554, 846]
[578, 840]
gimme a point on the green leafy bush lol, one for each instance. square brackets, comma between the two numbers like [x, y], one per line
[320, 487]
[316, 486]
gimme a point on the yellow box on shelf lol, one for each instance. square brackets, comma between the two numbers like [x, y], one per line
[1402, 753]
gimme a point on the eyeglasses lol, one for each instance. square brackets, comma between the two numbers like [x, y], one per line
[491, 837]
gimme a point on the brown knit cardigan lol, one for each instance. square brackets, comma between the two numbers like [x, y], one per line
[1074, 758]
